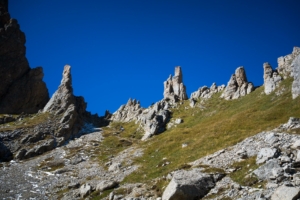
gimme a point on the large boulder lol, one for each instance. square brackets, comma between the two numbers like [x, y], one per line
[191, 184]
[22, 88]
[174, 89]
[238, 85]
[271, 78]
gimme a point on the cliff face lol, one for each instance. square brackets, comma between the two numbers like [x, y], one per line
[22, 88]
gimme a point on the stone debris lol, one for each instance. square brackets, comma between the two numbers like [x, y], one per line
[238, 85]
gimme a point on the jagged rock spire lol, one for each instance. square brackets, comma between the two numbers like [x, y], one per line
[174, 89]
[63, 96]
[238, 85]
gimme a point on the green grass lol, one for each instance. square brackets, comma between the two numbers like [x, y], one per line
[242, 175]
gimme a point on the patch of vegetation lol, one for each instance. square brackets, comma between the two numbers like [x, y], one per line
[26, 122]
[243, 174]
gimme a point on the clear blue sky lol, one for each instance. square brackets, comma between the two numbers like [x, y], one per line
[127, 48]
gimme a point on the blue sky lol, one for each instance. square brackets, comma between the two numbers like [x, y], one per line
[121, 49]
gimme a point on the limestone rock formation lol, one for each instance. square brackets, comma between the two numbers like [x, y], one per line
[238, 85]
[128, 112]
[174, 89]
[152, 120]
[155, 118]
[284, 63]
[71, 108]
[296, 75]
[271, 78]
[22, 88]
[206, 93]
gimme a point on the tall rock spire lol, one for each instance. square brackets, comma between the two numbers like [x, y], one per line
[174, 89]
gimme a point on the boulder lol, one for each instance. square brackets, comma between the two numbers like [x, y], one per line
[271, 78]
[265, 154]
[174, 89]
[270, 170]
[85, 190]
[22, 88]
[191, 184]
[238, 85]
[286, 193]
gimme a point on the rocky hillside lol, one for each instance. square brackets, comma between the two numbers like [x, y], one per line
[224, 142]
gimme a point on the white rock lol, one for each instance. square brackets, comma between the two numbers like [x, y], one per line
[286, 193]
[265, 154]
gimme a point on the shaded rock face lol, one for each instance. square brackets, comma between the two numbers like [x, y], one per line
[71, 108]
[128, 112]
[271, 78]
[174, 89]
[206, 92]
[22, 88]
[284, 63]
[238, 85]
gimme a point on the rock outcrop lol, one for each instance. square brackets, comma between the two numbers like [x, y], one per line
[69, 108]
[284, 63]
[206, 92]
[128, 112]
[238, 85]
[174, 89]
[22, 88]
[296, 75]
[152, 120]
[271, 78]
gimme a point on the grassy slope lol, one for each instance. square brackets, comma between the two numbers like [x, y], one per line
[222, 124]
